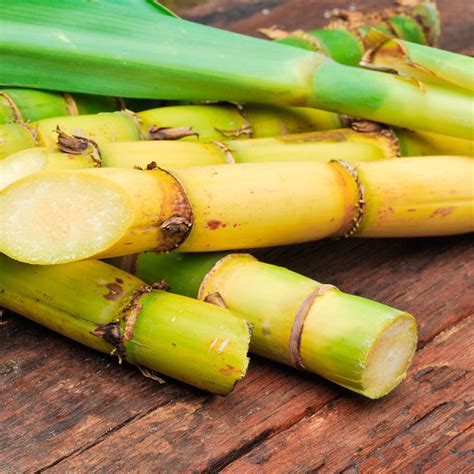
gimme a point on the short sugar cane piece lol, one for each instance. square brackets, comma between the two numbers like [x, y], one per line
[62, 216]
[417, 61]
[144, 55]
[112, 311]
[344, 38]
[227, 121]
[352, 341]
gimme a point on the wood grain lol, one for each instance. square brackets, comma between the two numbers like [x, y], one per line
[66, 408]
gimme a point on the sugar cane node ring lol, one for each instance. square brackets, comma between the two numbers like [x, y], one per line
[297, 327]
[355, 222]
[11, 104]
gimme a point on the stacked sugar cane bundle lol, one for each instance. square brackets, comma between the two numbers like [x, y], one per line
[282, 161]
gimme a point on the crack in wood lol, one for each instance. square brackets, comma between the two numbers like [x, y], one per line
[103, 436]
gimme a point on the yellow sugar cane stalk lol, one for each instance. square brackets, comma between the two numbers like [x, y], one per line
[357, 343]
[114, 312]
[349, 145]
[62, 216]
[186, 122]
[344, 144]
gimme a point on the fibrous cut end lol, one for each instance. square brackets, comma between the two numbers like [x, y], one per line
[61, 217]
[390, 357]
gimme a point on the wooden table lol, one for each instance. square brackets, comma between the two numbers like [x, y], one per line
[66, 408]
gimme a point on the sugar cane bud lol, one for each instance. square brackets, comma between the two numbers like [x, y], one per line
[227, 122]
[417, 61]
[354, 342]
[62, 216]
[98, 128]
[114, 312]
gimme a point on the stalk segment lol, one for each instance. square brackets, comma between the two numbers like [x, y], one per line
[63, 216]
[114, 312]
[357, 343]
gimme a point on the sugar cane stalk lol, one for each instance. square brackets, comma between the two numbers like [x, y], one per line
[29, 105]
[357, 343]
[373, 142]
[155, 56]
[62, 216]
[114, 312]
[344, 37]
[185, 122]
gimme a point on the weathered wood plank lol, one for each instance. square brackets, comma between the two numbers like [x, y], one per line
[404, 431]
[57, 396]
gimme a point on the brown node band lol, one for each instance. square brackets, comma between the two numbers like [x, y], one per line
[11, 104]
[227, 152]
[367, 126]
[71, 104]
[356, 220]
[297, 327]
[175, 228]
[119, 331]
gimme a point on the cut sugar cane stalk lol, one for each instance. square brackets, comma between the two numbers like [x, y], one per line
[138, 58]
[344, 38]
[343, 144]
[62, 216]
[114, 312]
[357, 343]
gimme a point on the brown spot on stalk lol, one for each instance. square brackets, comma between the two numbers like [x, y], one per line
[215, 224]
[229, 370]
[115, 291]
[442, 211]
[298, 324]
[170, 133]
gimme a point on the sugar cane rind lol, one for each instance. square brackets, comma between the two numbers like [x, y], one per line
[62, 216]
[357, 343]
[114, 312]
